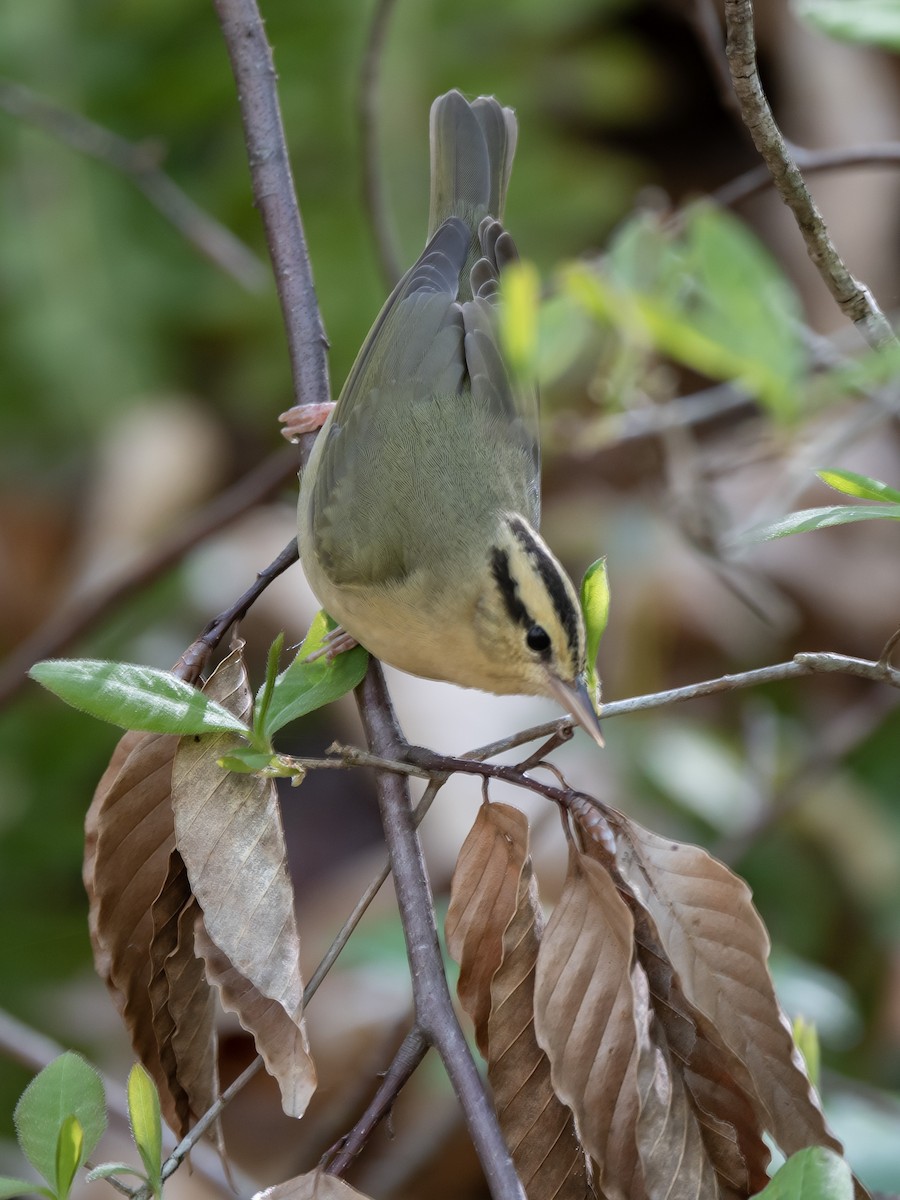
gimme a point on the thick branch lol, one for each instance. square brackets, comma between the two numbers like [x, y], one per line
[434, 1008]
[853, 298]
[273, 194]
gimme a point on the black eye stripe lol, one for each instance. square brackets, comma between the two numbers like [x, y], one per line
[555, 585]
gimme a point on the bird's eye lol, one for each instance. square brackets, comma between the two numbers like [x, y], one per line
[537, 638]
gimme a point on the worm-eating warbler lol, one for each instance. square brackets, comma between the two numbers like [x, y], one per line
[420, 504]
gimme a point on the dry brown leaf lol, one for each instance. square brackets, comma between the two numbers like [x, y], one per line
[495, 937]
[482, 903]
[229, 833]
[584, 1020]
[183, 1002]
[315, 1185]
[279, 1038]
[719, 947]
[129, 834]
[673, 1157]
[718, 1083]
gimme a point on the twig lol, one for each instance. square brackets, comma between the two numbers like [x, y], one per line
[139, 163]
[759, 179]
[63, 629]
[367, 115]
[274, 196]
[411, 1052]
[703, 18]
[852, 297]
[433, 1006]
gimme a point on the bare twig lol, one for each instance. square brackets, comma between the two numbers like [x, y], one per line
[367, 115]
[273, 194]
[139, 162]
[853, 298]
[703, 18]
[751, 183]
[433, 1006]
[65, 627]
[411, 1052]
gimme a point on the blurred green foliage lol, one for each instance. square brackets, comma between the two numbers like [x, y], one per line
[103, 305]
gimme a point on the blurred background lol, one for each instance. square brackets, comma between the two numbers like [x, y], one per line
[139, 381]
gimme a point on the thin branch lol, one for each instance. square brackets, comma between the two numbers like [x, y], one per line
[374, 198]
[751, 183]
[73, 622]
[408, 1057]
[434, 1008]
[274, 196]
[852, 297]
[139, 162]
[703, 18]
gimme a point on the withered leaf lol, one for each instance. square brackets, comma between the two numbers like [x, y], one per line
[182, 1000]
[229, 833]
[129, 834]
[718, 946]
[482, 903]
[315, 1185]
[584, 1020]
[496, 944]
[673, 1157]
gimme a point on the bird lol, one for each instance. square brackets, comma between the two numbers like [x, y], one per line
[420, 505]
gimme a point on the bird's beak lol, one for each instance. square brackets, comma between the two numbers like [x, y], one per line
[576, 699]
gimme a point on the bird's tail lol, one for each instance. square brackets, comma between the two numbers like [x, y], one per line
[472, 148]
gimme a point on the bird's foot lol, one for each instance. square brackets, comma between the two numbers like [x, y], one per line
[304, 418]
[336, 641]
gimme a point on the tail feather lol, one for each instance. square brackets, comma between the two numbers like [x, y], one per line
[472, 147]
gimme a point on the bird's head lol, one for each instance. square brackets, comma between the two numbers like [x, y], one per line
[529, 625]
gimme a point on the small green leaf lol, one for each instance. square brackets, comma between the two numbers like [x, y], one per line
[264, 699]
[812, 1174]
[595, 606]
[255, 762]
[852, 484]
[66, 1087]
[806, 1038]
[69, 1151]
[305, 686]
[10, 1188]
[873, 22]
[146, 1124]
[104, 1170]
[134, 697]
[520, 302]
[809, 519]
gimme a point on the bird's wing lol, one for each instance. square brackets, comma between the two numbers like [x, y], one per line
[411, 423]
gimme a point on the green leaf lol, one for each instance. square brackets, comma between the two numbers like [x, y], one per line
[852, 484]
[261, 762]
[806, 1038]
[146, 1124]
[65, 1088]
[812, 1174]
[710, 297]
[104, 1170]
[874, 22]
[809, 519]
[69, 1152]
[10, 1188]
[264, 699]
[520, 301]
[595, 606]
[134, 697]
[305, 686]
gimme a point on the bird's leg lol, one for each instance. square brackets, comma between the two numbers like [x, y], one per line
[335, 642]
[304, 418]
